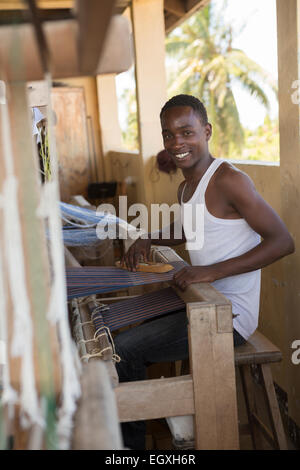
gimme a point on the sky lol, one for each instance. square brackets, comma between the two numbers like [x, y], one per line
[258, 39]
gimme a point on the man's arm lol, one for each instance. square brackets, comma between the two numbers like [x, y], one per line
[239, 191]
[141, 247]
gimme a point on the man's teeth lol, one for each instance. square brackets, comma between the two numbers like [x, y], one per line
[182, 155]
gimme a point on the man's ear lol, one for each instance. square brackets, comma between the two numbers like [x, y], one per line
[208, 131]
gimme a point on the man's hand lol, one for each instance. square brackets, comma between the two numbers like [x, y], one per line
[140, 249]
[193, 274]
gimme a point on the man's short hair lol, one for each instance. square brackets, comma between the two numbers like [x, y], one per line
[187, 100]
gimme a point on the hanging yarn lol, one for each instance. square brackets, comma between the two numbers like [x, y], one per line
[22, 331]
[9, 396]
[57, 312]
[88, 220]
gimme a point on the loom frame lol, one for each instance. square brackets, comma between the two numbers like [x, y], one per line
[209, 391]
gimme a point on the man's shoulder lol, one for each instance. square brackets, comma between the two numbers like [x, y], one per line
[229, 177]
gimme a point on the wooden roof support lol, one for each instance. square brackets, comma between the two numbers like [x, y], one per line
[44, 4]
[39, 33]
[93, 20]
[176, 7]
[173, 19]
[64, 60]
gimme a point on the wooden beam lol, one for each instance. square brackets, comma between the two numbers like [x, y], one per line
[93, 19]
[201, 292]
[288, 15]
[212, 367]
[176, 7]
[173, 397]
[191, 6]
[96, 421]
[43, 4]
[151, 86]
[64, 60]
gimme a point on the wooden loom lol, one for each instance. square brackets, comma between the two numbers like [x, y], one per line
[22, 213]
[209, 392]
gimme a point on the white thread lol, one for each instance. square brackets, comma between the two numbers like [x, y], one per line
[22, 336]
[9, 395]
[57, 312]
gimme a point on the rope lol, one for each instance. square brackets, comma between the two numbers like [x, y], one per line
[107, 332]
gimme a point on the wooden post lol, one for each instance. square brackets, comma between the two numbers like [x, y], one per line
[93, 20]
[212, 368]
[151, 86]
[109, 121]
[288, 18]
[96, 420]
[33, 248]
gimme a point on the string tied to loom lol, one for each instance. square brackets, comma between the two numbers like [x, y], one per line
[115, 356]
[98, 310]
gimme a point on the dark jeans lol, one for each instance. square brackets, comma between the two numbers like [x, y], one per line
[163, 339]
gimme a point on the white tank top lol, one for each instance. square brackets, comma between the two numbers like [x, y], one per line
[224, 239]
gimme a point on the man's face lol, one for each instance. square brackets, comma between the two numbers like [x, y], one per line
[185, 136]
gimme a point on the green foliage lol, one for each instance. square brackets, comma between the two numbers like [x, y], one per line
[204, 63]
[130, 134]
[44, 152]
[262, 144]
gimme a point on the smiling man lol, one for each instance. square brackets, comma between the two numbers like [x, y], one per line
[241, 234]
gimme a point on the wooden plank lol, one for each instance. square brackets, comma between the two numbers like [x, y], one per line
[43, 4]
[248, 390]
[156, 398]
[191, 6]
[273, 408]
[212, 368]
[34, 237]
[288, 40]
[258, 349]
[64, 60]
[96, 421]
[203, 379]
[195, 292]
[69, 105]
[176, 7]
[266, 434]
[93, 19]
[117, 55]
[21, 164]
[149, 42]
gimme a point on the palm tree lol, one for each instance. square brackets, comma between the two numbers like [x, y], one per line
[206, 65]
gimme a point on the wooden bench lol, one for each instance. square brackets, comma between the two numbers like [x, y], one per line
[259, 351]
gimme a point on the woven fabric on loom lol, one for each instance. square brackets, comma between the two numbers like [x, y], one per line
[130, 311]
[88, 280]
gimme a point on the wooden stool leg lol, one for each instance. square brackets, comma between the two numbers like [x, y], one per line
[247, 385]
[273, 408]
